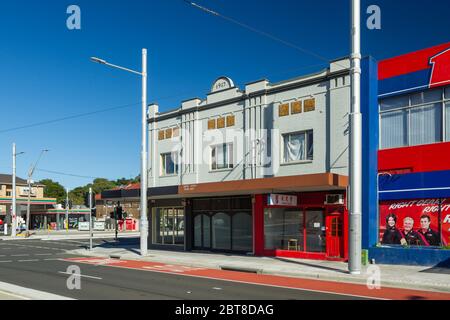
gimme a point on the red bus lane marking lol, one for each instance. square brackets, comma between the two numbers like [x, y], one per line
[332, 287]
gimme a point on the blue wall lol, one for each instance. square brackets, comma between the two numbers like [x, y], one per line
[370, 118]
[411, 256]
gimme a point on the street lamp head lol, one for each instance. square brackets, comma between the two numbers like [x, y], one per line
[98, 60]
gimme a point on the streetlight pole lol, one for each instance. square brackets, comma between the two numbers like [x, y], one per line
[355, 163]
[67, 210]
[14, 205]
[143, 205]
[30, 175]
[14, 196]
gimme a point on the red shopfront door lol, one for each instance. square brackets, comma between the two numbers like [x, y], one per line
[334, 235]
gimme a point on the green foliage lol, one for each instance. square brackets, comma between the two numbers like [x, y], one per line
[53, 189]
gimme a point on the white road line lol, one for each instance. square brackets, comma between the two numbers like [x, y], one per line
[5, 261]
[31, 260]
[19, 255]
[43, 254]
[79, 275]
[52, 259]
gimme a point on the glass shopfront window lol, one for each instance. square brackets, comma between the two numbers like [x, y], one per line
[223, 224]
[294, 229]
[168, 226]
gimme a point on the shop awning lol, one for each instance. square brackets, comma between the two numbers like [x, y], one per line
[421, 185]
[299, 183]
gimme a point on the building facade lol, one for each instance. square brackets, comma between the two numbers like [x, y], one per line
[38, 203]
[414, 160]
[261, 170]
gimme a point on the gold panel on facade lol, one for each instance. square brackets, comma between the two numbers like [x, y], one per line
[211, 124]
[283, 110]
[176, 132]
[161, 135]
[169, 133]
[220, 123]
[296, 107]
[230, 121]
[310, 105]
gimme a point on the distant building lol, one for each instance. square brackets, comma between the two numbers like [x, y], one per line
[38, 202]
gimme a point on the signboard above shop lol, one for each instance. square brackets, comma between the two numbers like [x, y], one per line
[284, 200]
[416, 71]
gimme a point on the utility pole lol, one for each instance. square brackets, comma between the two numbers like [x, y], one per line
[144, 173]
[67, 210]
[90, 219]
[30, 175]
[14, 205]
[144, 219]
[355, 163]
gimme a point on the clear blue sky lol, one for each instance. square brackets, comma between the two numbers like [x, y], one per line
[46, 72]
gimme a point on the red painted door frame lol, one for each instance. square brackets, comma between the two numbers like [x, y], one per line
[259, 204]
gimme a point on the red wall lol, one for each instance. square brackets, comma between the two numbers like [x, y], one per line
[431, 157]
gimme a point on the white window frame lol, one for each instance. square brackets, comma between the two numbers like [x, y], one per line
[230, 157]
[408, 109]
[174, 156]
[305, 151]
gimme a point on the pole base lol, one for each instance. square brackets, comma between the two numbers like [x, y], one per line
[355, 273]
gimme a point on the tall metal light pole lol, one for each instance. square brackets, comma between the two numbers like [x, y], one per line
[67, 210]
[143, 213]
[355, 163]
[30, 175]
[14, 197]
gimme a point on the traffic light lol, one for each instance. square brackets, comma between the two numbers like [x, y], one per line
[94, 212]
[86, 200]
[119, 213]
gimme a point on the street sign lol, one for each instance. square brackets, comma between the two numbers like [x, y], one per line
[83, 226]
[99, 225]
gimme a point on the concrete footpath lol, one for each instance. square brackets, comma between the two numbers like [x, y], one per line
[12, 292]
[68, 235]
[408, 277]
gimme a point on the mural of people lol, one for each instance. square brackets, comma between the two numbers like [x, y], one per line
[432, 237]
[392, 235]
[411, 237]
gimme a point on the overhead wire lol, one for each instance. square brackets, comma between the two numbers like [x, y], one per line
[260, 32]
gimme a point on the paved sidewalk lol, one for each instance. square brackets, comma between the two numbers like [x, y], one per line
[72, 234]
[408, 277]
[10, 291]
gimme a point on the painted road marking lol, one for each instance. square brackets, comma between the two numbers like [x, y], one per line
[308, 285]
[19, 255]
[43, 254]
[79, 275]
[31, 260]
[4, 261]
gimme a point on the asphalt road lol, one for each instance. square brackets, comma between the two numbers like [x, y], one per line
[37, 264]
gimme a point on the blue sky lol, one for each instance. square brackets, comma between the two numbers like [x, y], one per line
[46, 73]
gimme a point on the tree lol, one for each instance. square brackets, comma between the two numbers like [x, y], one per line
[54, 189]
[77, 195]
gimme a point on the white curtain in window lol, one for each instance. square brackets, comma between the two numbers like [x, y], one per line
[426, 123]
[294, 147]
[393, 129]
[220, 156]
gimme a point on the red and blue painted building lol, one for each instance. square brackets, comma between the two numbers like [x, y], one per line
[413, 158]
